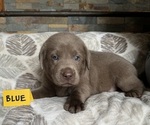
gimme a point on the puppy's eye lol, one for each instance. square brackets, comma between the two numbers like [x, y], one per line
[77, 58]
[55, 57]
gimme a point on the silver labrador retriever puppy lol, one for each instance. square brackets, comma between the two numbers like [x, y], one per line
[70, 69]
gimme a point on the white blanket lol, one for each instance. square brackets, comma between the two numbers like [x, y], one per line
[108, 108]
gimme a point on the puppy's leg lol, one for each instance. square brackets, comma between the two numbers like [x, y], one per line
[131, 85]
[42, 92]
[75, 102]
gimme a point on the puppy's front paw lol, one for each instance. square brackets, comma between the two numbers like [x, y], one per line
[74, 106]
[133, 93]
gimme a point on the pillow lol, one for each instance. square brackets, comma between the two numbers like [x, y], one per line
[19, 67]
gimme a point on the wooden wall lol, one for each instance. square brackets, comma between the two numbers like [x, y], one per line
[1, 5]
[74, 23]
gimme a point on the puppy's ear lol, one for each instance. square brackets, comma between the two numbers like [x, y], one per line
[88, 56]
[42, 56]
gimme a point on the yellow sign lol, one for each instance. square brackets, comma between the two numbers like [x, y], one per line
[17, 97]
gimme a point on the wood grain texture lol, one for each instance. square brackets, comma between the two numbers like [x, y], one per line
[1, 5]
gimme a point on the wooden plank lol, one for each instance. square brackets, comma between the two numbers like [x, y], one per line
[1, 5]
[74, 13]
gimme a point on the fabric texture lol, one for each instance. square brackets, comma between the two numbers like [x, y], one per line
[19, 68]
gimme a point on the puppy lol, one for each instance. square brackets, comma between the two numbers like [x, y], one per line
[70, 69]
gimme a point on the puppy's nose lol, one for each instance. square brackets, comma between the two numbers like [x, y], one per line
[67, 73]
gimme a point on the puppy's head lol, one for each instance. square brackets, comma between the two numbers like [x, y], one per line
[64, 58]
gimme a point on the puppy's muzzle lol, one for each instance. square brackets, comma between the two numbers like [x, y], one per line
[68, 73]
